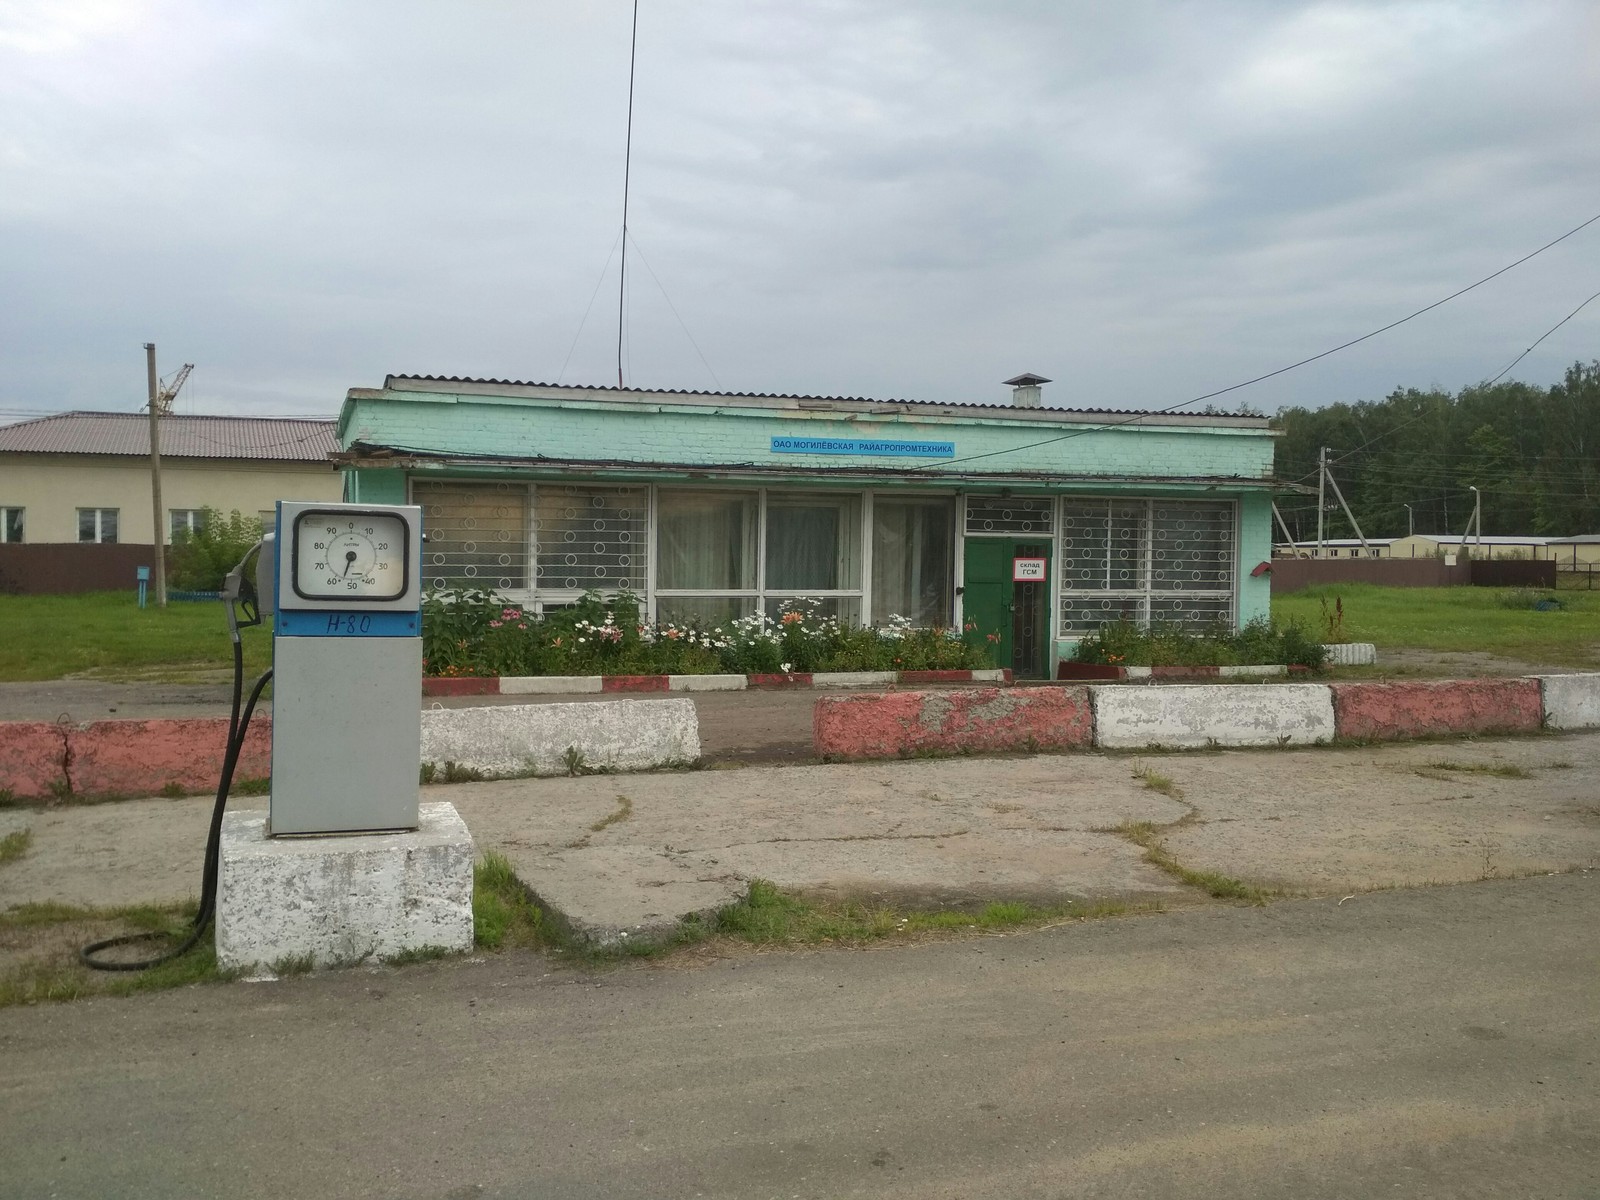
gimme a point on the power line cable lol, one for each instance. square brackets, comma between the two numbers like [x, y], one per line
[590, 307]
[1546, 334]
[674, 309]
[1292, 366]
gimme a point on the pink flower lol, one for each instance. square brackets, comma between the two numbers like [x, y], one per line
[496, 624]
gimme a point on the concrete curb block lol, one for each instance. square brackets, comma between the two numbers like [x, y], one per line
[896, 724]
[1396, 711]
[524, 739]
[1201, 715]
[141, 758]
[33, 759]
[562, 685]
[1570, 701]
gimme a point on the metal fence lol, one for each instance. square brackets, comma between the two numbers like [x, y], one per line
[1292, 574]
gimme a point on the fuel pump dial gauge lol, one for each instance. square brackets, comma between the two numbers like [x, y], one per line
[350, 556]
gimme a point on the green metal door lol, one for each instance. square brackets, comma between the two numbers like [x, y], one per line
[1015, 613]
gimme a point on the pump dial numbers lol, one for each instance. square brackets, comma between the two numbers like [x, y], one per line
[343, 556]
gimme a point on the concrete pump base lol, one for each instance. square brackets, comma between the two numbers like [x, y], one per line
[342, 899]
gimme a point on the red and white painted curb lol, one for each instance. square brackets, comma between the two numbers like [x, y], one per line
[41, 760]
[1106, 673]
[569, 685]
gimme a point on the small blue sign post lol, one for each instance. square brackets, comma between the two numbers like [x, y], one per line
[144, 583]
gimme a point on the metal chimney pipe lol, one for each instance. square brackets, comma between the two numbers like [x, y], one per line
[1025, 391]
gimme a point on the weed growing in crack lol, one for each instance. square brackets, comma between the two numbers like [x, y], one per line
[1498, 770]
[1156, 781]
[291, 965]
[1213, 883]
[15, 844]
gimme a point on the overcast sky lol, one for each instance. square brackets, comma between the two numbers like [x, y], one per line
[1142, 201]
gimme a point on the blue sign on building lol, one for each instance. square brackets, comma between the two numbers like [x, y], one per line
[868, 447]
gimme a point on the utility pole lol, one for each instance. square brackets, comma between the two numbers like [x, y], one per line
[1322, 485]
[155, 474]
[1411, 521]
[1477, 521]
[1354, 524]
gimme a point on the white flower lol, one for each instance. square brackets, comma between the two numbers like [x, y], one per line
[786, 667]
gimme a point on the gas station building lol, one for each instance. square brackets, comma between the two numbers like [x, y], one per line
[1037, 524]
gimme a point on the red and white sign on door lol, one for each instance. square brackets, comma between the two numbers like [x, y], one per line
[1027, 570]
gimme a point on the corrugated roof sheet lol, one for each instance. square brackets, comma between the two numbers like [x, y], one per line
[274, 439]
[1002, 404]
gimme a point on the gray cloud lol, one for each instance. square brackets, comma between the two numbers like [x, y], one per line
[1144, 201]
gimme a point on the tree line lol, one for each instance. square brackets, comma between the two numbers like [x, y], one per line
[1533, 454]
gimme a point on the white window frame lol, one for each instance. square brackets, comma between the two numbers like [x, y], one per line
[869, 615]
[760, 595]
[193, 522]
[99, 538]
[5, 524]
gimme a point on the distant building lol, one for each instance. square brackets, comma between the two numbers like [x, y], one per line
[1568, 551]
[1336, 548]
[1423, 545]
[1578, 551]
[83, 479]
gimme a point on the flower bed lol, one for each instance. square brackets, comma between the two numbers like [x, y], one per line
[470, 633]
[1259, 643]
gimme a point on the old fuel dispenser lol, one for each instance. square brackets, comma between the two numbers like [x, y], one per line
[346, 661]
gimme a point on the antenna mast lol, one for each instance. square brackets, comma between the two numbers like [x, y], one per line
[627, 167]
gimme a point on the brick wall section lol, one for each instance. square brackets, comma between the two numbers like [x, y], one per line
[139, 758]
[1393, 711]
[984, 719]
[32, 759]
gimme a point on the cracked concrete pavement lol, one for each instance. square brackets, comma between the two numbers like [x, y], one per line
[937, 832]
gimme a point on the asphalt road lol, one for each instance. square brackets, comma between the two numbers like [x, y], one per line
[1434, 1042]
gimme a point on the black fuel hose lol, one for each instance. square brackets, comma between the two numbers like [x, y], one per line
[238, 726]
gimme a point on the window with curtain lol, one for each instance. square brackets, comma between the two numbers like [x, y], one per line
[913, 551]
[813, 543]
[706, 541]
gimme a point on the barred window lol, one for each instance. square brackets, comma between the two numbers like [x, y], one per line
[590, 536]
[477, 534]
[1146, 561]
[1009, 514]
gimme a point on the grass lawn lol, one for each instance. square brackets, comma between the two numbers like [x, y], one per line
[1466, 619]
[105, 635]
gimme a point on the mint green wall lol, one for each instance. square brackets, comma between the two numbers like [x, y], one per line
[652, 434]
[1255, 547]
[375, 487]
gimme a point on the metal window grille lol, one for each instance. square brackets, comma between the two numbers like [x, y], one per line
[1146, 561]
[477, 534]
[1009, 515]
[590, 536]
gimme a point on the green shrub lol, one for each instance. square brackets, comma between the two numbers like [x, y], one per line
[1123, 643]
[200, 560]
